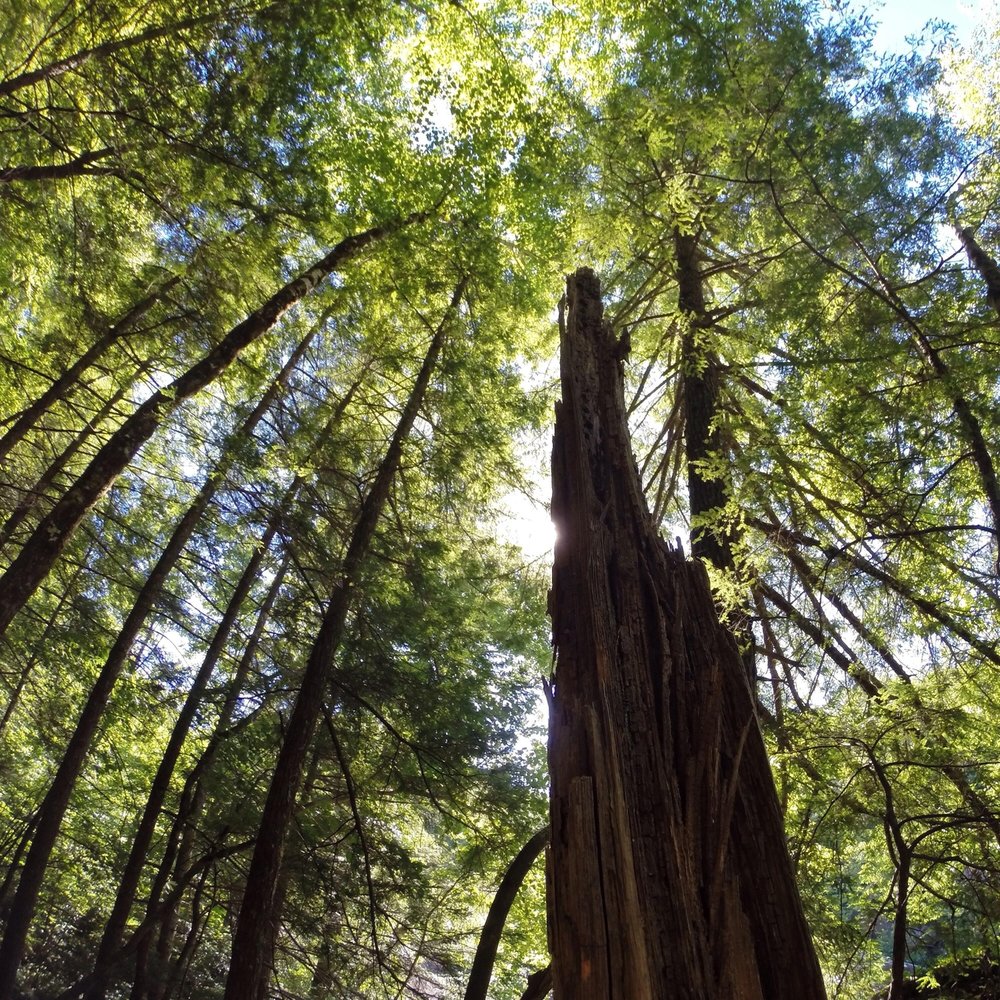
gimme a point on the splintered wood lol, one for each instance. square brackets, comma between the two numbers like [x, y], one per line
[668, 871]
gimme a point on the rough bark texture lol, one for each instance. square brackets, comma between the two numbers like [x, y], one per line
[662, 799]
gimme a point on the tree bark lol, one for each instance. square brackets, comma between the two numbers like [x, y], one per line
[256, 926]
[539, 984]
[985, 265]
[669, 875]
[707, 494]
[52, 535]
[489, 938]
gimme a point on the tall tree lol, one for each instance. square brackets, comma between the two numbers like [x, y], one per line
[653, 885]
[253, 945]
[51, 536]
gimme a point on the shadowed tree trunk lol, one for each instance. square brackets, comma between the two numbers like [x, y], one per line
[129, 884]
[708, 495]
[489, 938]
[256, 926]
[177, 854]
[40, 491]
[132, 874]
[669, 875]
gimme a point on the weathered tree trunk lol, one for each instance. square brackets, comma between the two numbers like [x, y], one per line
[662, 800]
[53, 533]
[256, 926]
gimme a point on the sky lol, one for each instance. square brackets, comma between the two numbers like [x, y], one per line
[899, 18]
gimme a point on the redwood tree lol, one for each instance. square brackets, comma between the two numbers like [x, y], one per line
[669, 874]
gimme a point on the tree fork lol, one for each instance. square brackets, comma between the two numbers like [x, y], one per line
[669, 875]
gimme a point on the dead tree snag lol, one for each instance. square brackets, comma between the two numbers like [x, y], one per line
[668, 872]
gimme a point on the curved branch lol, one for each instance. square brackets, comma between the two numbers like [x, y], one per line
[489, 938]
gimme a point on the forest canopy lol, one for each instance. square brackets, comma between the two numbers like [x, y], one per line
[277, 364]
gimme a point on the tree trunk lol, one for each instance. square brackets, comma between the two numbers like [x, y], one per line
[79, 166]
[111, 940]
[177, 854]
[669, 875]
[51, 536]
[132, 874]
[708, 495]
[489, 939]
[256, 926]
[56, 800]
[62, 385]
[985, 265]
[55, 468]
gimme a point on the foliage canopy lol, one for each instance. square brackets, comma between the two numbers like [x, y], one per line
[795, 232]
